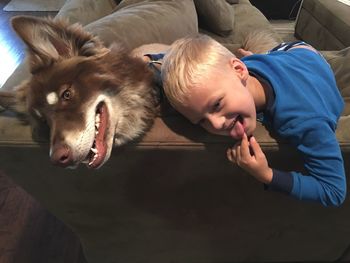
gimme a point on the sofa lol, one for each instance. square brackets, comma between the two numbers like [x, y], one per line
[172, 196]
[324, 24]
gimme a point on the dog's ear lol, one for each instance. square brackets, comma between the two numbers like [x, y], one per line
[50, 40]
[15, 100]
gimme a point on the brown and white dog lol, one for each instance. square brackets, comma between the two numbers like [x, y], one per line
[91, 97]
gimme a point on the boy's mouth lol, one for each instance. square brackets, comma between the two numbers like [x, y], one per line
[236, 129]
[239, 119]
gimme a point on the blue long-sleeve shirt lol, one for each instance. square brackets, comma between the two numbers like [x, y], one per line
[304, 109]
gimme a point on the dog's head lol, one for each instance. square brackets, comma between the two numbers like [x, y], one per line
[71, 89]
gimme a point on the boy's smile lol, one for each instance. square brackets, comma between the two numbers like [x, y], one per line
[222, 104]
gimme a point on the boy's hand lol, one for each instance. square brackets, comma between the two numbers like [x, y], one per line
[243, 53]
[254, 163]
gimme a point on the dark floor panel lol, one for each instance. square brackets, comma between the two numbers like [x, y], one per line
[29, 233]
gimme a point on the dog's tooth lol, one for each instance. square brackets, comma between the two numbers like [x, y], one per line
[92, 161]
[95, 156]
[94, 150]
[97, 121]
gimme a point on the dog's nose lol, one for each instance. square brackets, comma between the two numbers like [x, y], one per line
[61, 155]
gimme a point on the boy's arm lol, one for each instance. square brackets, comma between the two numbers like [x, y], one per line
[325, 181]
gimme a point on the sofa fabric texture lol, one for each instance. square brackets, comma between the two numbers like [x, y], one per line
[339, 61]
[172, 196]
[162, 22]
[324, 24]
[92, 10]
[215, 15]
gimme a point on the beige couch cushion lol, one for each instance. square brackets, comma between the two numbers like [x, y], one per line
[340, 63]
[325, 24]
[135, 22]
[86, 11]
[247, 19]
[215, 15]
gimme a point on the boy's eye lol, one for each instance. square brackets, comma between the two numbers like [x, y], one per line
[217, 105]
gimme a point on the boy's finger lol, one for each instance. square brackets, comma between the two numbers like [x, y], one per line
[229, 154]
[245, 146]
[255, 147]
[244, 52]
[238, 153]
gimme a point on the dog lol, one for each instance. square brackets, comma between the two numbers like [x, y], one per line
[89, 96]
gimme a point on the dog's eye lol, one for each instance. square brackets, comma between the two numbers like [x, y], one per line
[67, 94]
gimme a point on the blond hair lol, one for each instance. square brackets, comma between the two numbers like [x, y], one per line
[188, 62]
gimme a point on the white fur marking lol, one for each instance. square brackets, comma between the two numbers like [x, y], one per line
[52, 98]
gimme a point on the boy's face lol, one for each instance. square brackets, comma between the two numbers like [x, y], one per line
[222, 105]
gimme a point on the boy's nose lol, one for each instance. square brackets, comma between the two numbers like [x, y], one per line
[216, 122]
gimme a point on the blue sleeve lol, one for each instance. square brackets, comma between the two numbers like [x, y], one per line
[325, 181]
[281, 182]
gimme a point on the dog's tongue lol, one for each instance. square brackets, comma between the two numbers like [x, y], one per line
[100, 143]
[103, 124]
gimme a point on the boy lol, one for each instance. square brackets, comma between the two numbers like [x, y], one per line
[292, 88]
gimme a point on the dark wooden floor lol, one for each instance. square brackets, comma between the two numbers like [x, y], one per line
[28, 232]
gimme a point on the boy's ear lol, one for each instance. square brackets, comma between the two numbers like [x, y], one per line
[49, 40]
[240, 68]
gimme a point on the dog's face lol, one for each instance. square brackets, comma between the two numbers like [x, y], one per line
[73, 91]
[73, 101]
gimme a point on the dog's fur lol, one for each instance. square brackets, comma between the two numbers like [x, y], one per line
[75, 80]
[80, 87]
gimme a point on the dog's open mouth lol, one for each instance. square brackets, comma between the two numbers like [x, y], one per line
[98, 149]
